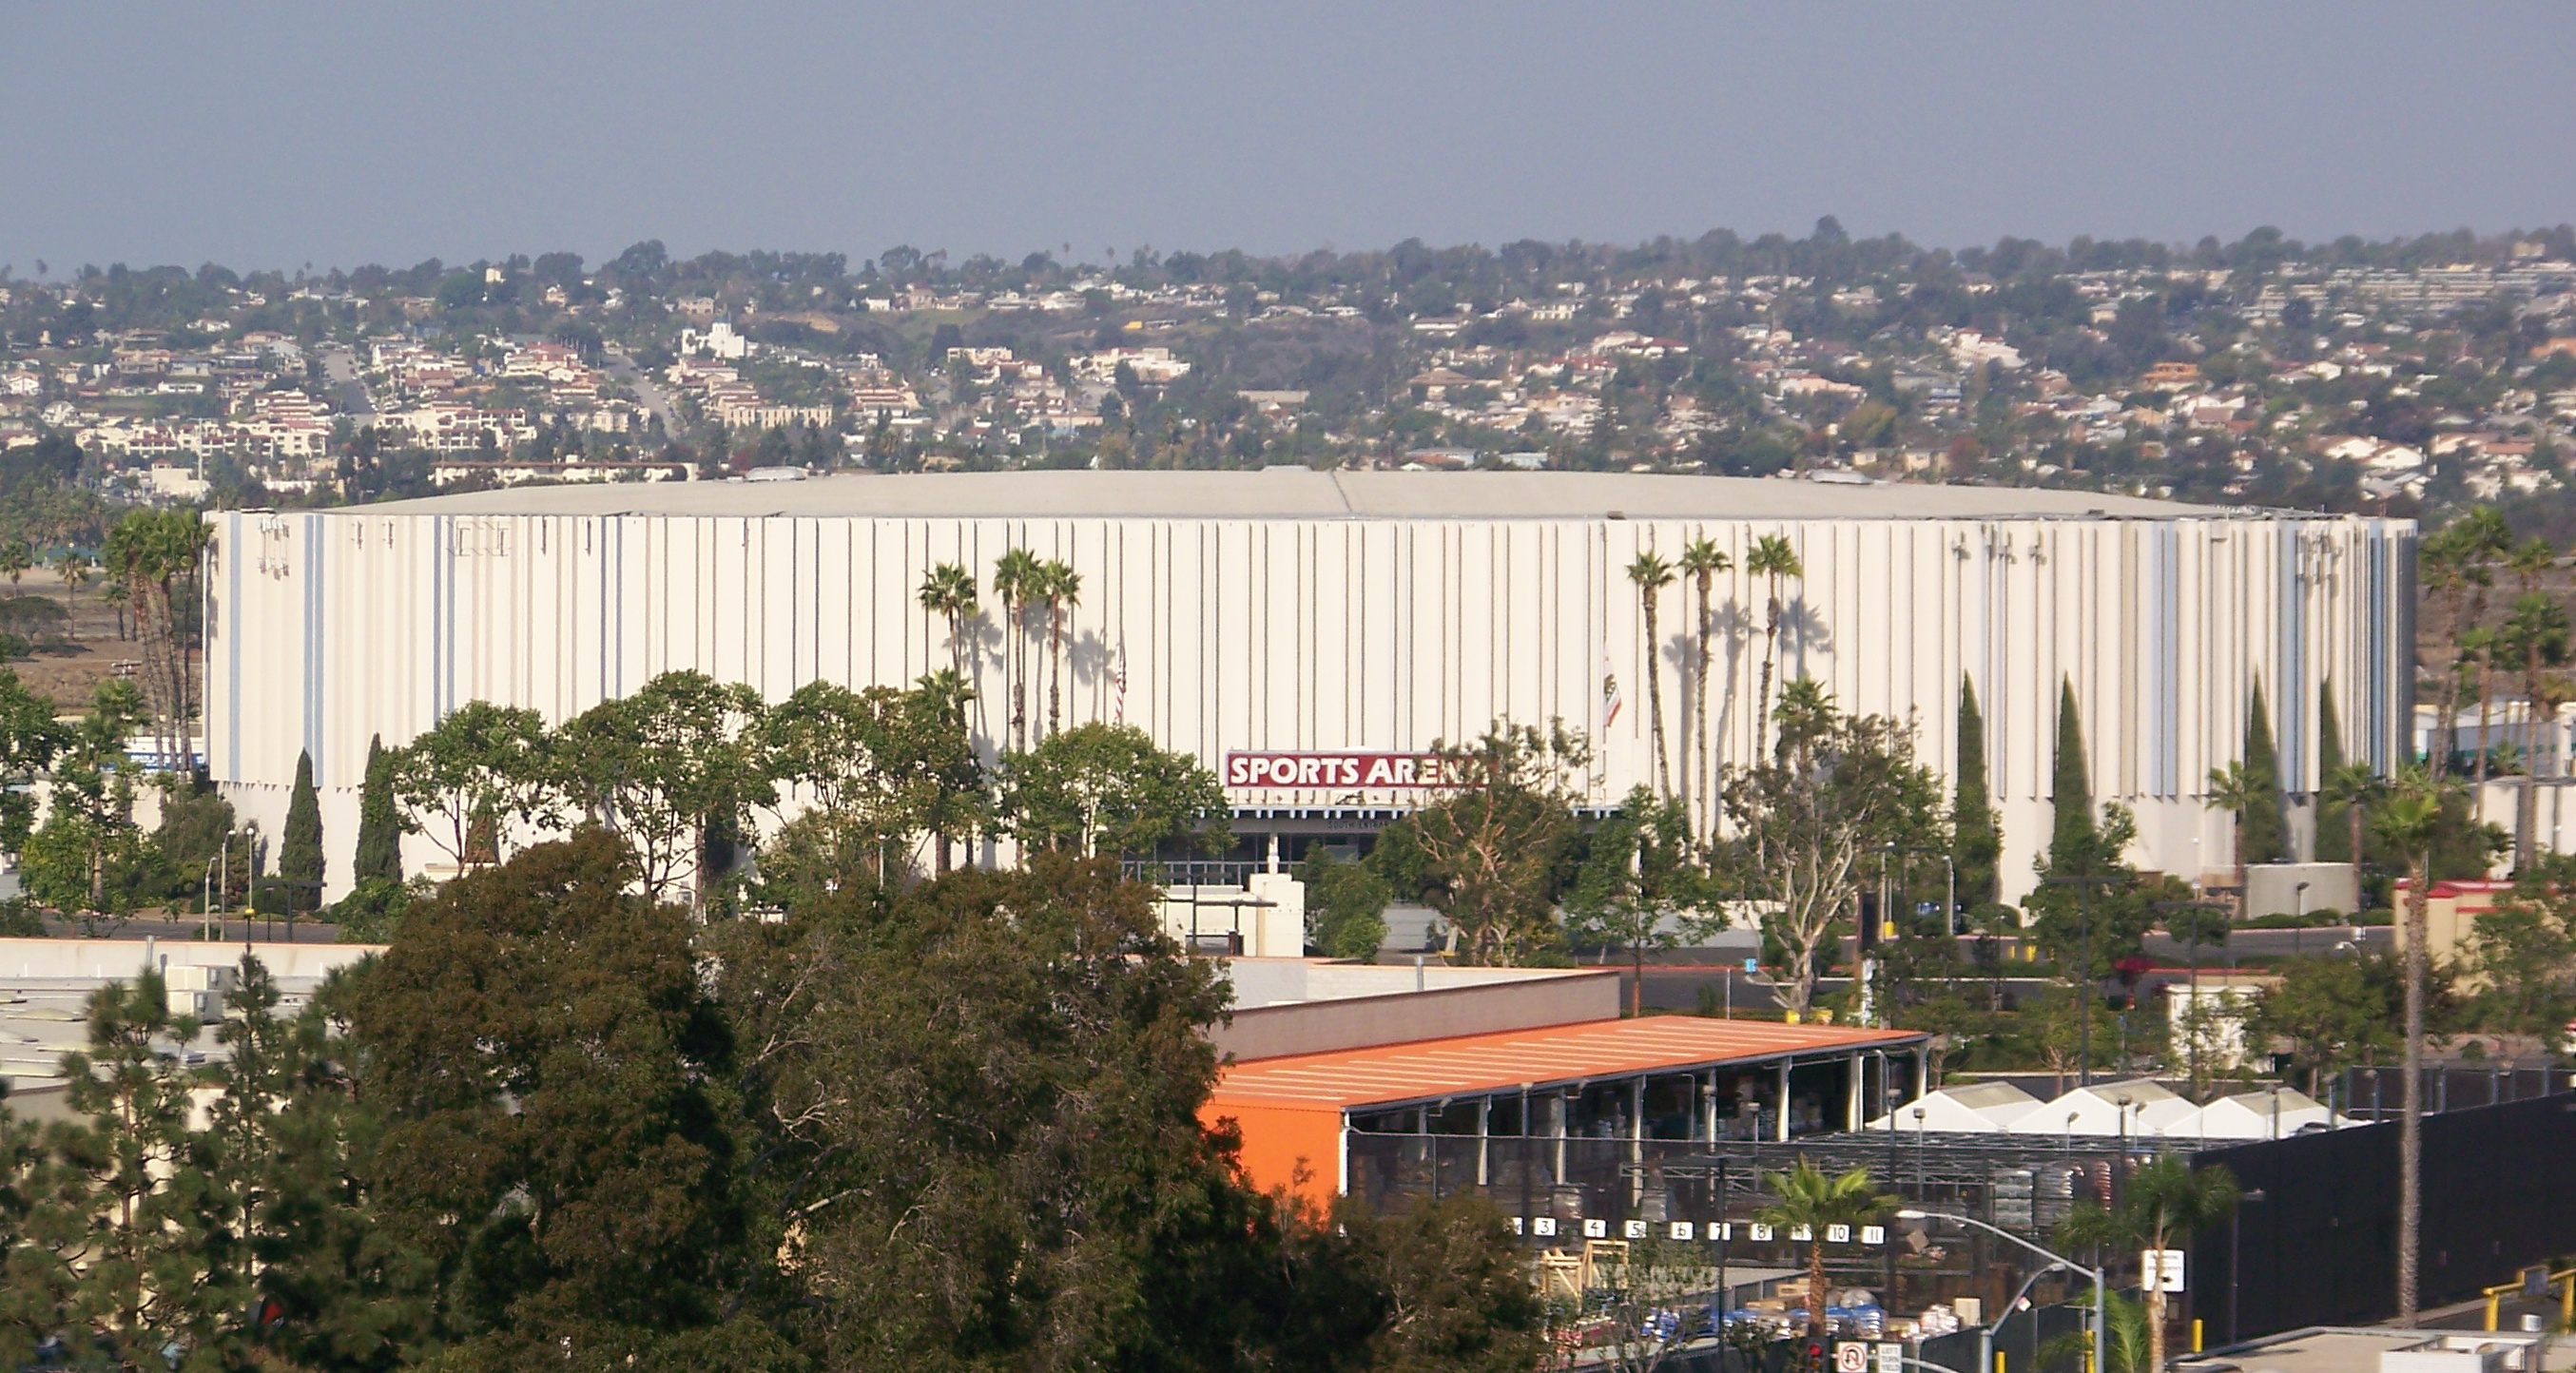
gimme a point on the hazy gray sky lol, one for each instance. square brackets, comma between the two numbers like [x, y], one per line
[271, 135]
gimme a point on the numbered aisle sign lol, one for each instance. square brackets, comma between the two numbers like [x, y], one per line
[2160, 1270]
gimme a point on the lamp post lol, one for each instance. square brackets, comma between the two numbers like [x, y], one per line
[2101, 1306]
[2235, 1222]
[2084, 955]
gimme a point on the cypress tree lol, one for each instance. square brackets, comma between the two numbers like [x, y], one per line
[2074, 838]
[2267, 832]
[299, 844]
[2334, 833]
[1976, 844]
[379, 855]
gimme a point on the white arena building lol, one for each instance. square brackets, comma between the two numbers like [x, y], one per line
[1349, 615]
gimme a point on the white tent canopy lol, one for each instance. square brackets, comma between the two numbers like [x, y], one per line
[2137, 1108]
[1975, 1108]
[2265, 1114]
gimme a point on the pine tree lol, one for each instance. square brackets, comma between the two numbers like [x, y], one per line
[2074, 838]
[299, 844]
[2334, 840]
[1976, 844]
[379, 855]
[2267, 832]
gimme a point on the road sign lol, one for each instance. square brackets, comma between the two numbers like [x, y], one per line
[1851, 1356]
[1891, 1357]
[2160, 1270]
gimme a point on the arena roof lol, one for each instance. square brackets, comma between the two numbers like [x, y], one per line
[1301, 493]
[1473, 1064]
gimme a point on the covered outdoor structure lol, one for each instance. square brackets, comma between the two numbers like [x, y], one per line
[1567, 1113]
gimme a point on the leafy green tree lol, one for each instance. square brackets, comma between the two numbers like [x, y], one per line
[1345, 906]
[149, 552]
[2262, 823]
[1450, 1293]
[30, 739]
[299, 843]
[2165, 1203]
[1493, 852]
[556, 1083]
[378, 857]
[2521, 956]
[479, 764]
[1101, 788]
[1838, 789]
[1976, 829]
[16, 560]
[2074, 839]
[131, 1248]
[1638, 889]
[1810, 1201]
[662, 769]
[875, 767]
[2534, 638]
[979, 1137]
[88, 845]
[2334, 1013]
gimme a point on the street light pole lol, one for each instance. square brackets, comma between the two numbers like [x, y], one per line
[2101, 1303]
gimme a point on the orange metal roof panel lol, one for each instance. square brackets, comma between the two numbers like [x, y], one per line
[1471, 1064]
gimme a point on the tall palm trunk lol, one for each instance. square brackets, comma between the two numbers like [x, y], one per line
[2353, 816]
[2410, 1125]
[1055, 667]
[1770, 650]
[1816, 1283]
[1704, 751]
[2486, 683]
[1655, 696]
[2155, 1330]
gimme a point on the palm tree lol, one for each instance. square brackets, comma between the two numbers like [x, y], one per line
[2353, 786]
[1652, 574]
[2165, 1203]
[2408, 822]
[2479, 642]
[1774, 559]
[15, 560]
[2535, 633]
[949, 591]
[1703, 560]
[1060, 590]
[2237, 788]
[1015, 580]
[75, 568]
[1814, 1201]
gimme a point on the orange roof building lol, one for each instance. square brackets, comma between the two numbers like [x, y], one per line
[1525, 1108]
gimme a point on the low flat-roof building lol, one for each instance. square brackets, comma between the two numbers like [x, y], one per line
[1527, 1113]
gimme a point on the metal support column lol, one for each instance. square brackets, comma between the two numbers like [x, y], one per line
[1782, 1132]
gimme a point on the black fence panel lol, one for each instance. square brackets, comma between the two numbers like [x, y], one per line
[2320, 1245]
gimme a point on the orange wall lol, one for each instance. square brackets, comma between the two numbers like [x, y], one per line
[1280, 1141]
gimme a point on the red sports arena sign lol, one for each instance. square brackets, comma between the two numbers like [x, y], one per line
[1337, 771]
